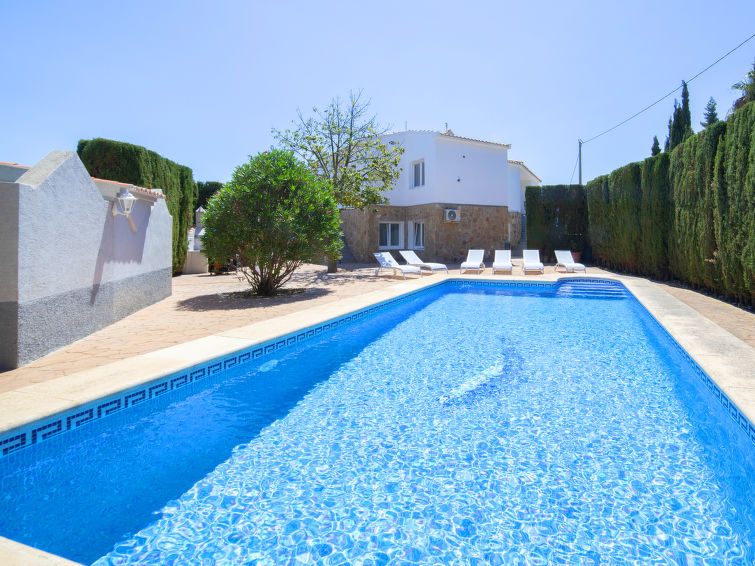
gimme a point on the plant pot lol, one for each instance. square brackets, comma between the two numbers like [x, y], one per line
[577, 256]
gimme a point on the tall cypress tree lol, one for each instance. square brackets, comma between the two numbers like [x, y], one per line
[711, 117]
[680, 124]
[667, 145]
[656, 149]
[685, 115]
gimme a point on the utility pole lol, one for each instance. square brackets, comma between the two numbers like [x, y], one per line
[580, 162]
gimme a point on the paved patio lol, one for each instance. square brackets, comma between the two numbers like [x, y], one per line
[205, 305]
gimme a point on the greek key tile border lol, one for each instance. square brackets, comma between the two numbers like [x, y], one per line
[39, 431]
[715, 391]
[44, 429]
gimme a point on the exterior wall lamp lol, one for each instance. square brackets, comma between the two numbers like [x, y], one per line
[122, 204]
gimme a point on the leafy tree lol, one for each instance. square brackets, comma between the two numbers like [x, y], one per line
[711, 117]
[680, 124]
[341, 144]
[747, 86]
[656, 149]
[205, 190]
[271, 217]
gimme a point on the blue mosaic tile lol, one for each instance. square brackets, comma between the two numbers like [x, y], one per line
[46, 431]
[179, 381]
[113, 406]
[718, 394]
[134, 398]
[39, 431]
[13, 443]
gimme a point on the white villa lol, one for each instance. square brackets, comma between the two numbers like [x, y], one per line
[453, 194]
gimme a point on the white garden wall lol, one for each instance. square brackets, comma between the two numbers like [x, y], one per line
[69, 266]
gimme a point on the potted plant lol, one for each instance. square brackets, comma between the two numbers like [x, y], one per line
[577, 246]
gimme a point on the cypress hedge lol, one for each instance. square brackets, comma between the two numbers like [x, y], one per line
[692, 245]
[687, 214]
[127, 163]
[654, 217]
[556, 219]
[734, 206]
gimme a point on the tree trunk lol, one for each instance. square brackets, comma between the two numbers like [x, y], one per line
[332, 265]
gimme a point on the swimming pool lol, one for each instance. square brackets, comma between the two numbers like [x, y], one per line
[468, 422]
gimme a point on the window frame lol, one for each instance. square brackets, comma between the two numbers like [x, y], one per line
[389, 245]
[413, 233]
[413, 179]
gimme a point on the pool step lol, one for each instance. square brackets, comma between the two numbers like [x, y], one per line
[590, 289]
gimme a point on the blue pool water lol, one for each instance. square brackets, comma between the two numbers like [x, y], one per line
[465, 425]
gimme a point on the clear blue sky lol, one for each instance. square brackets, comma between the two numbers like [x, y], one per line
[203, 83]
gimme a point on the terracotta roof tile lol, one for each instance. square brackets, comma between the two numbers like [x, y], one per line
[132, 187]
[129, 185]
[450, 134]
[527, 168]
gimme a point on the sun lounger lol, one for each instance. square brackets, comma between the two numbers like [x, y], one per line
[532, 261]
[474, 261]
[502, 261]
[387, 261]
[413, 259]
[564, 259]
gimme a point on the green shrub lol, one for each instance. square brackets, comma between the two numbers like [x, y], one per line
[734, 206]
[624, 228]
[654, 217]
[688, 213]
[205, 189]
[692, 248]
[127, 163]
[556, 219]
[599, 221]
[272, 216]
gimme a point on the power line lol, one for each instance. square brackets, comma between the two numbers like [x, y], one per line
[574, 169]
[665, 96]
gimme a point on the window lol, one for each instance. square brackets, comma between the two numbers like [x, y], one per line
[418, 173]
[417, 235]
[390, 235]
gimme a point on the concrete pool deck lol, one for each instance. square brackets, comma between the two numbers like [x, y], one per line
[203, 319]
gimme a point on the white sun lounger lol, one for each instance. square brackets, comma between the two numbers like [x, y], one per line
[387, 261]
[502, 261]
[532, 261]
[474, 261]
[413, 259]
[564, 259]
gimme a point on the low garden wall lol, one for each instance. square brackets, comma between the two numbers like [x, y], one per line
[69, 266]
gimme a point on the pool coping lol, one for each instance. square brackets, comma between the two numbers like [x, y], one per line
[726, 359]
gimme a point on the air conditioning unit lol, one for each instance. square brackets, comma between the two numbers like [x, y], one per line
[452, 215]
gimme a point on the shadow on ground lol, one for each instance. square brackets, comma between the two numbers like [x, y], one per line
[242, 300]
[355, 272]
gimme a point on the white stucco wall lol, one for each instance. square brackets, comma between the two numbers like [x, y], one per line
[64, 218]
[417, 145]
[60, 216]
[456, 171]
[8, 242]
[70, 267]
[514, 194]
[10, 173]
[526, 179]
[471, 173]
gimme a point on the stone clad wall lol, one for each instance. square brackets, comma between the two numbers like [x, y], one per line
[486, 227]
